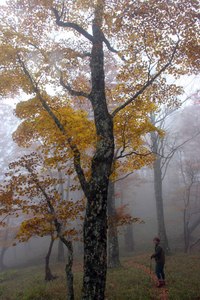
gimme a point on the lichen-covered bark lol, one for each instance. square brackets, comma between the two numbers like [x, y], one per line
[113, 244]
[95, 224]
[95, 247]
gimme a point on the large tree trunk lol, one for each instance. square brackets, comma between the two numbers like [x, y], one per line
[48, 274]
[95, 246]
[113, 244]
[159, 203]
[95, 224]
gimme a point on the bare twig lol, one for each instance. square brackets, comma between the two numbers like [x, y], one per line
[148, 83]
[171, 154]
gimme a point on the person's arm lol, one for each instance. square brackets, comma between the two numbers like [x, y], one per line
[157, 252]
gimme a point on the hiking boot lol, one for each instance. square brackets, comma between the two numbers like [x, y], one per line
[160, 283]
[163, 282]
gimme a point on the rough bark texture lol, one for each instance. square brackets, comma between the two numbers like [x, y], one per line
[159, 203]
[95, 224]
[48, 274]
[113, 244]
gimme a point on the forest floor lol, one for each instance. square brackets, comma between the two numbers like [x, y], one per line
[135, 280]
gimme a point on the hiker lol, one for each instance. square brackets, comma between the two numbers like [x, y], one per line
[159, 257]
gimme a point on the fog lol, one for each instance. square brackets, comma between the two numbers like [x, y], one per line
[135, 193]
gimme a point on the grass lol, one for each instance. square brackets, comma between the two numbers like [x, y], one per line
[127, 282]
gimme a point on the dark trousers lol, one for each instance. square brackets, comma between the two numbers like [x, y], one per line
[160, 271]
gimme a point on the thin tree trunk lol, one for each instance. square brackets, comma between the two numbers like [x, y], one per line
[129, 238]
[61, 254]
[68, 244]
[194, 225]
[113, 244]
[69, 273]
[159, 203]
[68, 268]
[194, 244]
[186, 232]
[3, 251]
[48, 274]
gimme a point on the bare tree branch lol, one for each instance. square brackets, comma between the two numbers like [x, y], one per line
[147, 84]
[2, 220]
[194, 225]
[125, 176]
[171, 154]
[195, 243]
[108, 45]
[70, 90]
[133, 152]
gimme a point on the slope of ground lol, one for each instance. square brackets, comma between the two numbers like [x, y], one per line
[133, 281]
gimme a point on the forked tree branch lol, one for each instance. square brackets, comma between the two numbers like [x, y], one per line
[72, 25]
[82, 31]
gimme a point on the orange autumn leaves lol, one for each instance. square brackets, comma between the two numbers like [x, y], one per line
[37, 200]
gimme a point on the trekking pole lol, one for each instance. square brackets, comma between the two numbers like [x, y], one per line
[150, 267]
